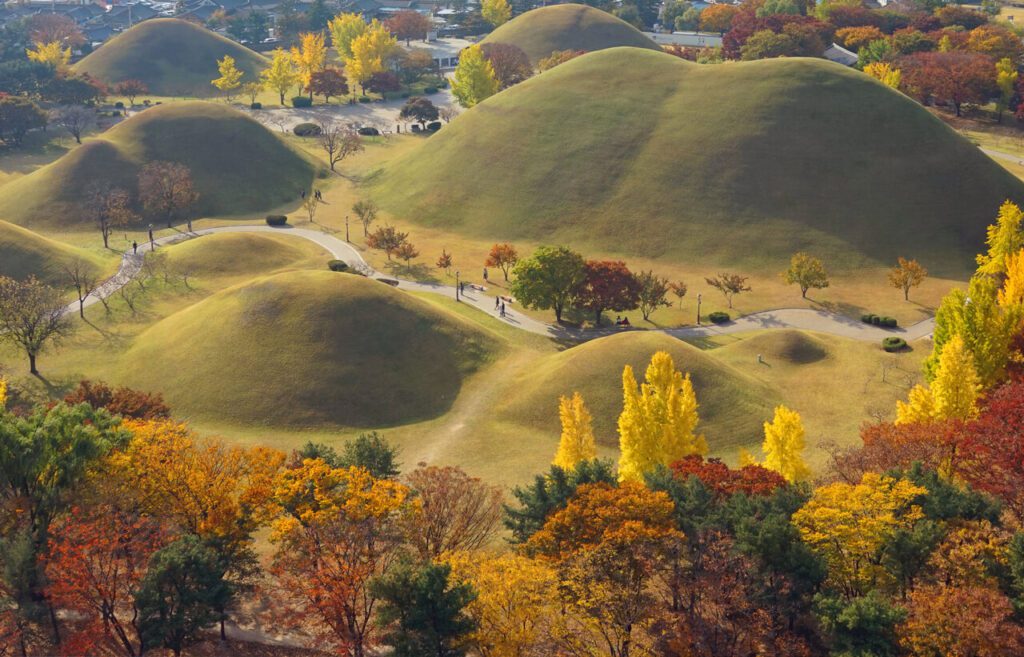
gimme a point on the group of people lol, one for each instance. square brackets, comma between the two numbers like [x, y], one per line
[622, 321]
[499, 305]
[316, 194]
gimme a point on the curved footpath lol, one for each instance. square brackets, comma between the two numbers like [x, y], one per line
[786, 318]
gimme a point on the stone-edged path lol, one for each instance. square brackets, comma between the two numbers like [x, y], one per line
[785, 318]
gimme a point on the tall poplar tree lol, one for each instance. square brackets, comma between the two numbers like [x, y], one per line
[474, 79]
[577, 442]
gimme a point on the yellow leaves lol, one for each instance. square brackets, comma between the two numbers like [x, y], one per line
[317, 494]
[885, 73]
[953, 394]
[52, 53]
[205, 486]
[496, 12]
[848, 524]
[309, 56]
[1003, 239]
[657, 422]
[474, 79]
[230, 77]
[577, 441]
[344, 29]
[3, 393]
[906, 274]
[516, 602]
[1011, 295]
[784, 445]
[369, 51]
[281, 74]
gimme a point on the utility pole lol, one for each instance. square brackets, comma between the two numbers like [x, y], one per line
[698, 309]
[346, 229]
[456, 284]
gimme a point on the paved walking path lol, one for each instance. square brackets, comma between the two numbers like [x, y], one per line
[786, 318]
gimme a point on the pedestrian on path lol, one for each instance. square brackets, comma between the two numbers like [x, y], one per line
[502, 308]
[485, 274]
[303, 194]
[135, 248]
[497, 300]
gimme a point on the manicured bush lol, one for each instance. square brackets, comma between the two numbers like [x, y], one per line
[892, 343]
[276, 220]
[301, 101]
[364, 99]
[876, 320]
[337, 265]
[119, 105]
[367, 131]
[434, 126]
[887, 322]
[718, 317]
[307, 130]
[416, 128]
[256, 106]
[868, 319]
[429, 90]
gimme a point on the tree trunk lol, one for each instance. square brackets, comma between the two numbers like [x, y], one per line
[906, 294]
[81, 307]
[597, 318]
[558, 313]
[803, 292]
[49, 607]
[282, 97]
[32, 369]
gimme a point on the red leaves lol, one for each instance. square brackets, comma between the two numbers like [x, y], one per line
[723, 481]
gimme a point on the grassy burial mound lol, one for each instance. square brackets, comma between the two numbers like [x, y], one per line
[732, 404]
[242, 254]
[24, 253]
[308, 349]
[639, 152]
[172, 57]
[237, 165]
[542, 31]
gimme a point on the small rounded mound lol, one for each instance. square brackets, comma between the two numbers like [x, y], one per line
[237, 165]
[308, 349]
[232, 254]
[790, 346]
[732, 404]
[544, 30]
[24, 253]
[171, 56]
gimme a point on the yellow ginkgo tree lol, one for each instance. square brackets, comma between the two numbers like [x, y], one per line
[577, 441]
[50, 52]
[230, 76]
[952, 395]
[784, 445]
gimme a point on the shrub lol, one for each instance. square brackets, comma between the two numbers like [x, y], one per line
[337, 265]
[307, 130]
[416, 128]
[367, 131]
[887, 322]
[256, 106]
[718, 317]
[364, 99]
[276, 220]
[434, 126]
[119, 105]
[404, 94]
[876, 320]
[892, 343]
[868, 319]
[301, 101]
[429, 90]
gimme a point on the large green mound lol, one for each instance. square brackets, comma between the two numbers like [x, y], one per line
[24, 253]
[173, 57]
[236, 254]
[308, 349]
[542, 31]
[732, 405]
[237, 165]
[638, 152]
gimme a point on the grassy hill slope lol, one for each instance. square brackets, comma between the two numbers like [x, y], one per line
[544, 30]
[238, 254]
[237, 165]
[732, 404]
[24, 253]
[638, 152]
[308, 349]
[173, 57]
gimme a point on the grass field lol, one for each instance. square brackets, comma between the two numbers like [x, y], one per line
[237, 165]
[542, 31]
[172, 57]
[736, 166]
[24, 253]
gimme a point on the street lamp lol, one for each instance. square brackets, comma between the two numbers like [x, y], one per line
[698, 309]
[456, 284]
[346, 228]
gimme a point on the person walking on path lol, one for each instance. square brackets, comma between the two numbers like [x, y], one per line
[502, 308]
[497, 300]
[135, 248]
[485, 274]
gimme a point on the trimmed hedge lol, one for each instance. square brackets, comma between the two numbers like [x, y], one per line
[434, 126]
[337, 265]
[892, 343]
[307, 130]
[364, 99]
[875, 320]
[276, 220]
[301, 101]
[256, 106]
[718, 317]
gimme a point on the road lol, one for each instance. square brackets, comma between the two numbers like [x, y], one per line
[381, 115]
[785, 318]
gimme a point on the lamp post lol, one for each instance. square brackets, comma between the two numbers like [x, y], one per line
[346, 228]
[698, 309]
[456, 284]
